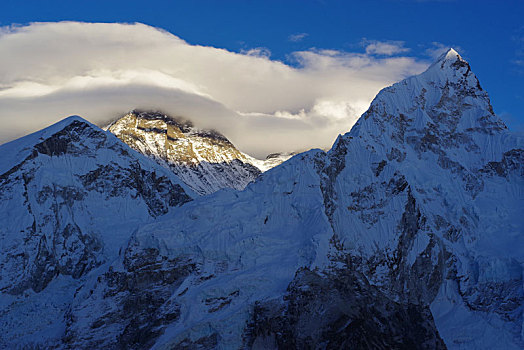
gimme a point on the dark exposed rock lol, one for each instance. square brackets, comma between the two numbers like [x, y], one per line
[157, 191]
[396, 154]
[329, 172]
[139, 298]
[340, 310]
[380, 166]
[418, 282]
[69, 140]
[206, 342]
[512, 161]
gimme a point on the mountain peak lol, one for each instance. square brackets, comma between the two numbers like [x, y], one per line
[73, 118]
[205, 159]
[152, 115]
[23, 146]
[65, 123]
[450, 55]
[446, 99]
[450, 66]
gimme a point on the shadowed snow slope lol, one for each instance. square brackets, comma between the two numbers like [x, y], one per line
[406, 234]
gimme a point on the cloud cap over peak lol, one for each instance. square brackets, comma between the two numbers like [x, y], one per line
[101, 70]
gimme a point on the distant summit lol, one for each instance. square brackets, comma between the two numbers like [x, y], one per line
[204, 159]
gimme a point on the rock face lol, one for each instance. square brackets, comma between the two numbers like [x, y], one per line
[70, 196]
[340, 310]
[204, 159]
[406, 234]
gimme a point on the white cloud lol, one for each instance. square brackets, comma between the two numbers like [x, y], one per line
[386, 48]
[102, 70]
[297, 37]
[262, 52]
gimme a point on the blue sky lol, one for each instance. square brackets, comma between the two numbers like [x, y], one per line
[489, 34]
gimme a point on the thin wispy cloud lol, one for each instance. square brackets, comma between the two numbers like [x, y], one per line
[297, 37]
[386, 48]
[101, 70]
[263, 52]
[518, 41]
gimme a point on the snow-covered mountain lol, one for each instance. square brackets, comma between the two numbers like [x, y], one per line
[70, 196]
[408, 233]
[204, 159]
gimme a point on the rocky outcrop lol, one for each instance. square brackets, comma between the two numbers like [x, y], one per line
[339, 310]
[204, 159]
[134, 301]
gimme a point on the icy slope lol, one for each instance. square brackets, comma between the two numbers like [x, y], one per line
[204, 159]
[70, 196]
[408, 232]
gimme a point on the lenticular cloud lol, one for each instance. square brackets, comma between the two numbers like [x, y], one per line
[102, 70]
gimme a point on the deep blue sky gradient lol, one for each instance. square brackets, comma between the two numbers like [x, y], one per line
[489, 34]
